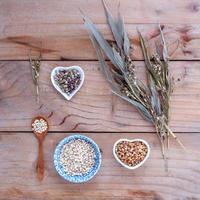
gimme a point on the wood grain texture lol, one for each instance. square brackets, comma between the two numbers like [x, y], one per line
[67, 12]
[113, 182]
[58, 25]
[94, 108]
[71, 41]
[60, 28]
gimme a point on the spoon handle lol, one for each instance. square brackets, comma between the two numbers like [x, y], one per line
[40, 161]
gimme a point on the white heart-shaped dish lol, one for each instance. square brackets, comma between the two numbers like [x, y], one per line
[58, 68]
[131, 141]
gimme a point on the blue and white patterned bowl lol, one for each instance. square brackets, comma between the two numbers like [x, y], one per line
[77, 178]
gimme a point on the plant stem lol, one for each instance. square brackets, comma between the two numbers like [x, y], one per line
[37, 93]
[175, 137]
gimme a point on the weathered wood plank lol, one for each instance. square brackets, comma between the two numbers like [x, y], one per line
[62, 41]
[18, 178]
[94, 108]
[67, 12]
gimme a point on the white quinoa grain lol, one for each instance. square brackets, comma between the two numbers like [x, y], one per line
[39, 126]
[77, 157]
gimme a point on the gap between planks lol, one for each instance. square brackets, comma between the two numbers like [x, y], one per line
[93, 60]
[97, 132]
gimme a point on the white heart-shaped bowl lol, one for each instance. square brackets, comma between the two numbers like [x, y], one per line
[58, 68]
[134, 140]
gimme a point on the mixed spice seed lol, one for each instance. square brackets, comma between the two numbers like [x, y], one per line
[131, 153]
[77, 157]
[68, 80]
[39, 126]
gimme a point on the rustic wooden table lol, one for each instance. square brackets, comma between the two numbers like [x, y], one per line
[94, 111]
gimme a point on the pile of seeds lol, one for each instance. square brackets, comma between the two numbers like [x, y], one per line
[68, 80]
[77, 157]
[39, 126]
[131, 153]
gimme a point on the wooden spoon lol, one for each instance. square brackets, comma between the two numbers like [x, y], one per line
[40, 137]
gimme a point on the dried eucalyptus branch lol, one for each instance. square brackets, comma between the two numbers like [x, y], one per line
[151, 100]
[35, 70]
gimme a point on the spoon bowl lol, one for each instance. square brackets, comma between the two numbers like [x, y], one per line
[40, 137]
[43, 134]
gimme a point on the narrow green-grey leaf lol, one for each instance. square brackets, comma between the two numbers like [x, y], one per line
[155, 101]
[104, 67]
[126, 44]
[117, 74]
[100, 39]
[118, 59]
[165, 51]
[145, 113]
[113, 26]
[124, 35]
[146, 57]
